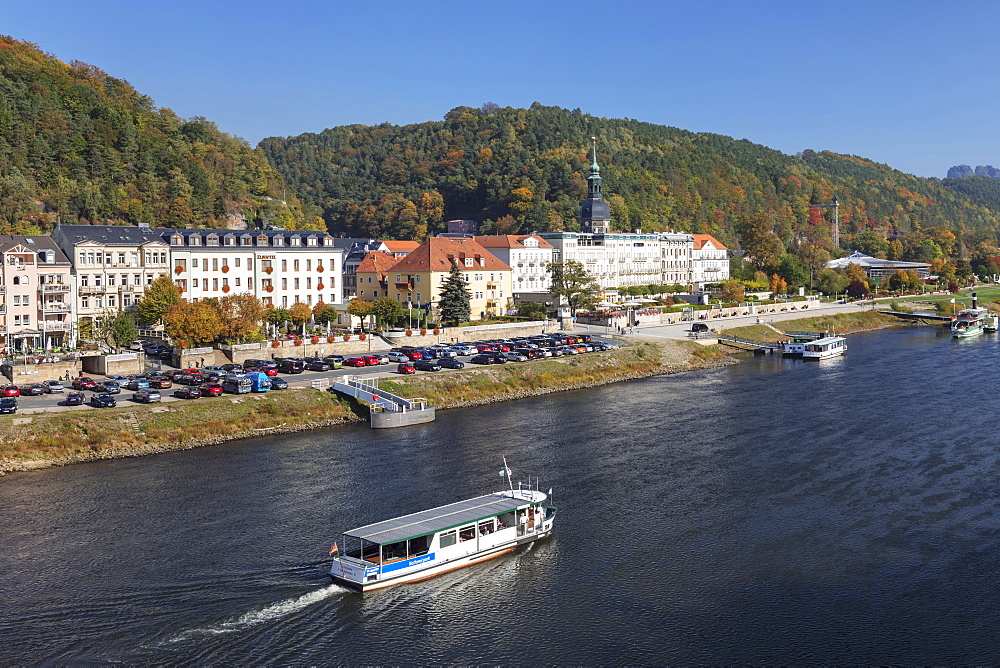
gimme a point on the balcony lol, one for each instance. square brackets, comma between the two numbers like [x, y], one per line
[3, 289]
[56, 326]
[403, 285]
[56, 307]
[3, 309]
[492, 285]
[55, 288]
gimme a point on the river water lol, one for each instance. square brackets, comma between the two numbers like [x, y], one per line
[776, 512]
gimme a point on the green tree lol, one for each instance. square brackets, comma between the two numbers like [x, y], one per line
[535, 310]
[572, 283]
[792, 269]
[385, 310]
[360, 308]
[191, 324]
[278, 317]
[454, 303]
[830, 282]
[761, 244]
[300, 314]
[870, 242]
[158, 298]
[116, 330]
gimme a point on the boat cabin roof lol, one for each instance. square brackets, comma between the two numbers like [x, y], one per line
[438, 519]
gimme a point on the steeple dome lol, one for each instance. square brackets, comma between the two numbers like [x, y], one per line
[595, 215]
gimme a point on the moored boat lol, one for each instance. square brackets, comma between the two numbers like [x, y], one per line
[430, 542]
[968, 323]
[825, 348]
[795, 346]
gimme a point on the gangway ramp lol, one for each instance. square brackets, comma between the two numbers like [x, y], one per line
[746, 344]
[386, 409]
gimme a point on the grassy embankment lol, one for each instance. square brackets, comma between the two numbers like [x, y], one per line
[66, 437]
[841, 323]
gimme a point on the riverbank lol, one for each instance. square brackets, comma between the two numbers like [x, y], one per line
[58, 439]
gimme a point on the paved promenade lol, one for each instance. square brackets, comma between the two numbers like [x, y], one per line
[681, 330]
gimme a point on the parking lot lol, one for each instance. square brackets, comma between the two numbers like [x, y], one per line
[55, 402]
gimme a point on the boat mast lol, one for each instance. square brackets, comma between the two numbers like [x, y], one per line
[507, 471]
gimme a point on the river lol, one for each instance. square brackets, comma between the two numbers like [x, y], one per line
[777, 512]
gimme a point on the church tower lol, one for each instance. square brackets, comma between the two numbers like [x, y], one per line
[595, 215]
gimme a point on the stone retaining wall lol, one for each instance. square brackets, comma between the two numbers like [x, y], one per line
[19, 374]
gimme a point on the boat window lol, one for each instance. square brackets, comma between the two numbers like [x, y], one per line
[418, 545]
[394, 551]
[448, 538]
[467, 533]
[486, 527]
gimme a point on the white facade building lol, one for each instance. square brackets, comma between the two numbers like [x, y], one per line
[528, 257]
[615, 260]
[676, 249]
[709, 261]
[279, 267]
[36, 299]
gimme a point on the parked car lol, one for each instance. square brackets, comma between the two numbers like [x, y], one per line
[335, 361]
[160, 382]
[237, 385]
[146, 396]
[372, 360]
[398, 356]
[287, 365]
[103, 401]
[426, 365]
[136, 384]
[233, 368]
[279, 384]
[53, 387]
[84, 383]
[187, 393]
[8, 405]
[315, 364]
[355, 361]
[109, 387]
[74, 399]
[513, 356]
[32, 390]
[215, 389]
[190, 379]
[405, 367]
[465, 349]
[485, 359]
[451, 363]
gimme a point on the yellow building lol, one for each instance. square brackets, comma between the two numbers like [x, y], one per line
[416, 279]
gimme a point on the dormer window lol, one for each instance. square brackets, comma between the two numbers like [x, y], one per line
[327, 241]
[468, 262]
[212, 240]
[262, 240]
[296, 241]
[194, 240]
[279, 241]
[311, 241]
[175, 240]
[230, 240]
[246, 240]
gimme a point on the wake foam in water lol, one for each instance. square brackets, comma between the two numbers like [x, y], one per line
[265, 614]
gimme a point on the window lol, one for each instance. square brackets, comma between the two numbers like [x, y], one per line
[416, 279]
[127, 299]
[111, 301]
[230, 241]
[204, 283]
[137, 280]
[284, 300]
[212, 240]
[309, 299]
[467, 533]
[111, 280]
[121, 258]
[204, 263]
[308, 283]
[311, 241]
[284, 265]
[98, 302]
[279, 241]
[149, 280]
[225, 282]
[468, 262]
[262, 240]
[296, 241]
[333, 298]
[284, 284]
[135, 259]
[237, 281]
[309, 265]
[84, 280]
[295, 265]
[194, 240]
[179, 262]
[296, 284]
[97, 280]
[245, 241]
[215, 284]
[237, 262]
[215, 264]
[84, 302]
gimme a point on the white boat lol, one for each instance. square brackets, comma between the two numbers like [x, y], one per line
[969, 322]
[430, 542]
[824, 348]
[796, 345]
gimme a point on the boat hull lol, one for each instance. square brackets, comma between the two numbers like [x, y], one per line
[439, 568]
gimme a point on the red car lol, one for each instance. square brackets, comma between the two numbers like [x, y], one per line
[84, 383]
[371, 360]
[355, 361]
[405, 368]
[11, 391]
[211, 390]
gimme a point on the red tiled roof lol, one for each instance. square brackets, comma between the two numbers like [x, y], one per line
[701, 239]
[378, 262]
[401, 246]
[436, 254]
[508, 240]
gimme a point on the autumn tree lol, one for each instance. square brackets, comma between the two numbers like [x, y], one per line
[191, 324]
[761, 244]
[242, 316]
[360, 308]
[778, 285]
[159, 297]
[300, 314]
[830, 282]
[732, 291]
[115, 330]
[573, 284]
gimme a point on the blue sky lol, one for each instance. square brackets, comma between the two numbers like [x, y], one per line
[911, 84]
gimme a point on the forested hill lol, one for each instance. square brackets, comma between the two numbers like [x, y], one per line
[77, 143]
[526, 169]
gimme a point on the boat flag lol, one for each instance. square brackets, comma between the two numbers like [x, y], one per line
[334, 549]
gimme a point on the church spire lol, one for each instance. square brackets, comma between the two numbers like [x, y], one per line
[595, 216]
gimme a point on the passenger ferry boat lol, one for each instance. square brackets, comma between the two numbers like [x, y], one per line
[425, 544]
[825, 348]
[968, 323]
[795, 346]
